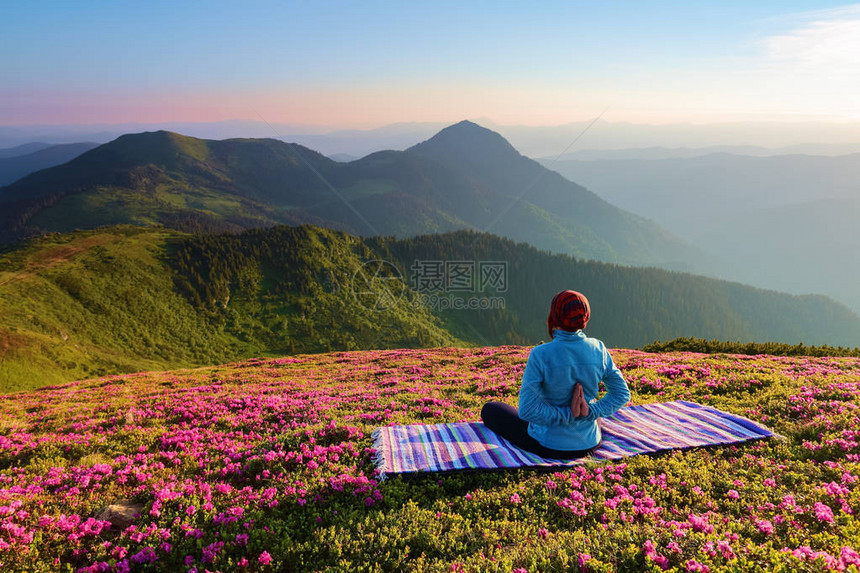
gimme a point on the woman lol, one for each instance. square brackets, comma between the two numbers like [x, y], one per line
[558, 411]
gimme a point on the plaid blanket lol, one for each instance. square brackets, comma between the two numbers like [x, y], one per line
[631, 431]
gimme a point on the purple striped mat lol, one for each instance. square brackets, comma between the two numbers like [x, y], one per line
[631, 431]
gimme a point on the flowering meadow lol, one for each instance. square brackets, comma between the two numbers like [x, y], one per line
[267, 465]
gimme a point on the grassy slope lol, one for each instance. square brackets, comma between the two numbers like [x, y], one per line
[271, 460]
[96, 302]
[90, 303]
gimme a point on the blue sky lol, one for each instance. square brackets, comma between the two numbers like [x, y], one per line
[364, 64]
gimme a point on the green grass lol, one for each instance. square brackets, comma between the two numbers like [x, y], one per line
[105, 301]
[98, 302]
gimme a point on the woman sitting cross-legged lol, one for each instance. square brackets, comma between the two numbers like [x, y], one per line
[558, 408]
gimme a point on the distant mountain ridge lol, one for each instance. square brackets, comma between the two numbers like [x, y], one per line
[23, 149]
[784, 222]
[17, 166]
[532, 141]
[656, 153]
[465, 177]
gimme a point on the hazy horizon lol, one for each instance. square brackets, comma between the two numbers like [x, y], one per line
[335, 65]
[818, 138]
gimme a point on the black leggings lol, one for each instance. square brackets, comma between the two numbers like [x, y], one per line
[504, 420]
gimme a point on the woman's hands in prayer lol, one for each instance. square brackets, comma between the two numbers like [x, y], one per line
[578, 404]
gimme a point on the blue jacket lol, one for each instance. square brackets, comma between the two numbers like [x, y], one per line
[551, 372]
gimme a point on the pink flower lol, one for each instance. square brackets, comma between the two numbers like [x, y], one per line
[651, 553]
[264, 558]
[649, 548]
[849, 557]
[726, 549]
[543, 533]
[765, 526]
[823, 512]
[700, 523]
[693, 565]
[787, 501]
[733, 494]
[145, 555]
[582, 560]
[515, 498]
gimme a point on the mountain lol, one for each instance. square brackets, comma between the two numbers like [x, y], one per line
[784, 222]
[15, 167]
[464, 177]
[23, 149]
[533, 204]
[104, 132]
[127, 298]
[167, 178]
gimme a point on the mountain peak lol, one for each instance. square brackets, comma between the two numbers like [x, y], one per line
[468, 139]
[465, 124]
[159, 147]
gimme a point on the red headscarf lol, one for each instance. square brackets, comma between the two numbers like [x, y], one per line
[569, 311]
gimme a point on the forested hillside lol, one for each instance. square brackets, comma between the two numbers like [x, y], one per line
[631, 306]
